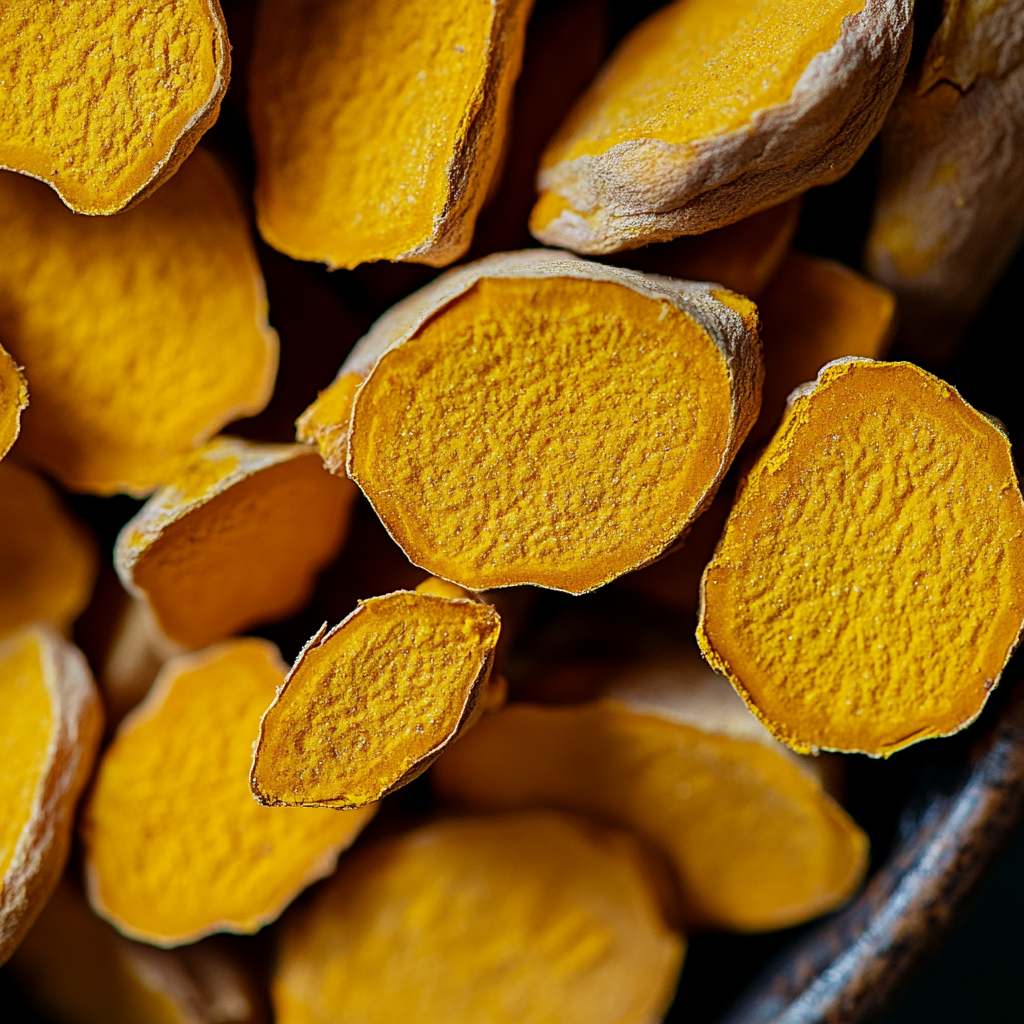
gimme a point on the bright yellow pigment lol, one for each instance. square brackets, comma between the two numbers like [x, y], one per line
[325, 423]
[13, 399]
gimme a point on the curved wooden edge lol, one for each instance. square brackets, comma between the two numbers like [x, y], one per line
[851, 967]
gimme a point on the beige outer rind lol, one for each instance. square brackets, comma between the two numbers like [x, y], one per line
[43, 847]
[645, 190]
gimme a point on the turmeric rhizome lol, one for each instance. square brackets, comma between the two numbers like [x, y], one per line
[522, 917]
[234, 537]
[869, 586]
[141, 334]
[712, 110]
[176, 847]
[13, 401]
[103, 99]
[378, 126]
[537, 418]
[671, 754]
[49, 731]
[370, 705]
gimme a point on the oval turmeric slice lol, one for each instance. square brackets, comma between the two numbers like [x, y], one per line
[13, 401]
[103, 99]
[520, 917]
[176, 847]
[50, 727]
[711, 110]
[142, 334]
[869, 586]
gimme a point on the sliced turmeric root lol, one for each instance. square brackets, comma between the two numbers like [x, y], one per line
[13, 401]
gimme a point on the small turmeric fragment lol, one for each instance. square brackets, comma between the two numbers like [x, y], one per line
[176, 847]
[13, 401]
[103, 99]
[521, 917]
[869, 586]
[50, 726]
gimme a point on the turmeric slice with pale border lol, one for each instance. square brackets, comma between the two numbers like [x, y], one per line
[103, 99]
[370, 705]
[142, 334]
[50, 726]
[869, 586]
[536, 418]
[711, 110]
[13, 401]
[176, 847]
[521, 917]
[235, 537]
[378, 126]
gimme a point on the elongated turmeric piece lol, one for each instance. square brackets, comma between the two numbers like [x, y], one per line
[869, 586]
[176, 847]
[13, 401]
[711, 110]
[535, 418]
[50, 726]
[235, 537]
[378, 126]
[141, 334]
[519, 917]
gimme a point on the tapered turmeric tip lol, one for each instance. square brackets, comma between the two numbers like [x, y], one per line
[13, 401]
[141, 334]
[50, 727]
[378, 126]
[869, 586]
[103, 99]
[521, 917]
[710, 111]
[176, 847]
[535, 418]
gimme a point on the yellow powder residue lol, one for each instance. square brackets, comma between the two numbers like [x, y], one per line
[325, 423]
[364, 710]
[13, 400]
[870, 581]
[556, 432]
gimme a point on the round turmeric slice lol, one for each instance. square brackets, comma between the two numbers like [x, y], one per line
[711, 110]
[13, 401]
[176, 847]
[869, 586]
[534, 418]
[142, 334]
[370, 705]
[519, 917]
[50, 727]
[235, 537]
[103, 99]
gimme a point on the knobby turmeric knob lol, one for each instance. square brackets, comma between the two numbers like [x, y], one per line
[869, 586]
[13, 401]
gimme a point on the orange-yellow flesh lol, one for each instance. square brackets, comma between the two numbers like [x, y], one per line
[176, 846]
[141, 334]
[375, 700]
[325, 423]
[13, 399]
[557, 432]
[531, 917]
[97, 93]
[358, 109]
[47, 560]
[754, 842]
[699, 68]
[869, 585]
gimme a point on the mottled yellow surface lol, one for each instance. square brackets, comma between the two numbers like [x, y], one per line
[176, 847]
[365, 710]
[97, 94]
[870, 581]
[325, 423]
[13, 399]
[141, 334]
[529, 917]
[550, 431]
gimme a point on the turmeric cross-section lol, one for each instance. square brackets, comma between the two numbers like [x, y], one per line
[13, 401]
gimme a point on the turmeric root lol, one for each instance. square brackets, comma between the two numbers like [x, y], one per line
[13, 401]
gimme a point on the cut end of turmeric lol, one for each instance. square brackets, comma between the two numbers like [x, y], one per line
[13, 401]
[326, 422]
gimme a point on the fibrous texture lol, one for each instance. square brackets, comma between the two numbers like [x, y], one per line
[378, 126]
[370, 705]
[869, 585]
[49, 731]
[235, 537]
[176, 847]
[13, 401]
[103, 99]
[142, 334]
[47, 559]
[949, 211]
[521, 917]
[533, 418]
